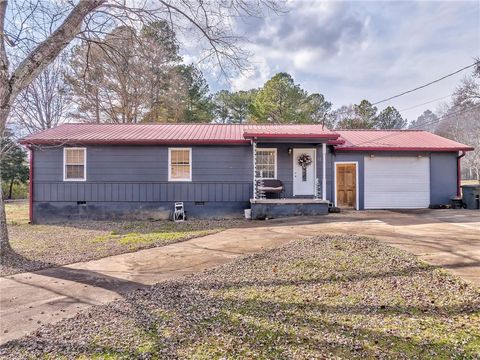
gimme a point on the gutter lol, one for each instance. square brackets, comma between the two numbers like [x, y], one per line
[60, 142]
[429, 149]
[459, 174]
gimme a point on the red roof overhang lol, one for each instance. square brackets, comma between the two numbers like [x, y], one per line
[429, 149]
[251, 135]
[336, 142]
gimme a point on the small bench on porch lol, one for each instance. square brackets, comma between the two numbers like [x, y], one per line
[270, 186]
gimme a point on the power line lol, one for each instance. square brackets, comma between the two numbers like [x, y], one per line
[446, 116]
[426, 123]
[335, 112]
[425, 103]
[428, 84]
[417, 88]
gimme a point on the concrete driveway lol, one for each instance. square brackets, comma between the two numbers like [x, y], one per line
[448, 238]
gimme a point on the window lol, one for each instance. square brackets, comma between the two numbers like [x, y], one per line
[74, 164]
[179, 164]
[266, 161]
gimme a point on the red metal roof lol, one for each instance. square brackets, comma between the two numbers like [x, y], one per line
[171, 133]
[288, 131]
[344, 140]
[400, 140]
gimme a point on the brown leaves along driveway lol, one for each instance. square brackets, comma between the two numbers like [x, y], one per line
[329, 296]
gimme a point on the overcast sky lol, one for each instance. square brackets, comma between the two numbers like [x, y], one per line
[364, 50]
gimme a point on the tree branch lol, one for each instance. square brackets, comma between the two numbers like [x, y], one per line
[49, 49]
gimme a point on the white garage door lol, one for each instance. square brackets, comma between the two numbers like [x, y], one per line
[397, 182]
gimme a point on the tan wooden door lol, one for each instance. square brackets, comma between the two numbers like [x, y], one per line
[346, 185]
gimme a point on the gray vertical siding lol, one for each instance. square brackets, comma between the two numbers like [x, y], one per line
[121, 179]
[136, 177]
[132, 182]
[443, 177]
[140, 174]
[329, 170]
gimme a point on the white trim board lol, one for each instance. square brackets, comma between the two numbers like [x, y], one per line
[84, 163]
[276, 161]
[357, 205]
[170, 163]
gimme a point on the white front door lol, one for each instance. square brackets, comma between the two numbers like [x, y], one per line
[304, 178]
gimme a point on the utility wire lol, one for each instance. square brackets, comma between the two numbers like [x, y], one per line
[409, 108]
[455, 113]
[427, 123]
[428, 84]
[425, 103]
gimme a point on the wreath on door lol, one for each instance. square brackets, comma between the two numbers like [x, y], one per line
[304, 160]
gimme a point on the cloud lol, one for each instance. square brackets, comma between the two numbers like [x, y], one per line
[351, 51]
[309, 34]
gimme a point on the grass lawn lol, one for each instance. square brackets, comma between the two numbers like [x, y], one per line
[325, 297]
[17, 212]
[41, 246]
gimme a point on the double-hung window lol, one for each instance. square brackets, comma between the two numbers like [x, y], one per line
[179, 164]
[74, 164]
[266, 164]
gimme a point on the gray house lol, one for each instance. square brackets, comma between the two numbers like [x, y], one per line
[107, 171]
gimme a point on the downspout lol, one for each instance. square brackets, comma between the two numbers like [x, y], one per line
[459, 173]
[254, 153]
[30, 187]
[324, 171]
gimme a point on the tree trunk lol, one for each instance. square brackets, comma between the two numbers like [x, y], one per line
[4, 243]
[10, 189]
[33, 64]
[4, 111]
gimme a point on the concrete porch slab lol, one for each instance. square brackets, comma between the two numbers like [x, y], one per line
[277, 208]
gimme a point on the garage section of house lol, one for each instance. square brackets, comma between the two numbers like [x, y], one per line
[395, 169]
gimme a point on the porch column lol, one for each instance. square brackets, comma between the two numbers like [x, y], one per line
[254, 157]
[324, 171]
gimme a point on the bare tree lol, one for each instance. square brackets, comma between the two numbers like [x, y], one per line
[126, 77]
[39, 31]
[462, 124]
[109, 80]
[461, 121]
[43, 104]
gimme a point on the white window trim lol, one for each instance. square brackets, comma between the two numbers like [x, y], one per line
[276, 162]
[170, 164]
[84, 163]
[357, 205]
